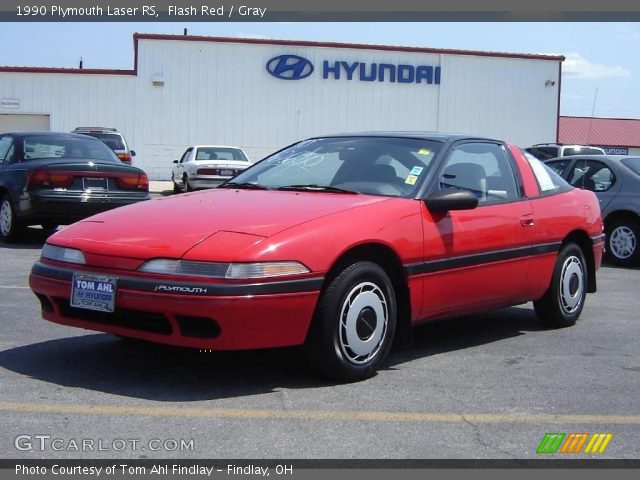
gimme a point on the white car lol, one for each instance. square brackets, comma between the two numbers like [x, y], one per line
[207, 166]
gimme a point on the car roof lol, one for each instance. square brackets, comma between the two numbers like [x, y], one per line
[214, 146]
[48, 134]
[434, 136]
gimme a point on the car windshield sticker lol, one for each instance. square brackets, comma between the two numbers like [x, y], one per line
[416, 170]
[411, 180]
[424, 151]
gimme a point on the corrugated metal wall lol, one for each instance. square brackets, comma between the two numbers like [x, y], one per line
[222, 93]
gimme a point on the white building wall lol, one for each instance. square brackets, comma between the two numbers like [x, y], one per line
[217, 92]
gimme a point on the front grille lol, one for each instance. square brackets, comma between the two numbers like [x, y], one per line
[134, 319]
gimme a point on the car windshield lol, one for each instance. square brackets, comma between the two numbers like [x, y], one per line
[112, 140]
[633, 163]
[220, 153]
[51, 146]
[387, 166]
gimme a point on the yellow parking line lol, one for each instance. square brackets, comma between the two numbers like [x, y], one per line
[345, 415]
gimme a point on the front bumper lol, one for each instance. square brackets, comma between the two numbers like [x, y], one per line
[207, 316]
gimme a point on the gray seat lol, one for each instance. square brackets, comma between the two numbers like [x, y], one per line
[466, 176]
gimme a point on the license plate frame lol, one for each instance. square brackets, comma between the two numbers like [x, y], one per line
[95, 184]
[94, 292]
[226, 172]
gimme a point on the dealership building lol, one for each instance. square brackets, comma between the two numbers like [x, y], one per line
[262, 95]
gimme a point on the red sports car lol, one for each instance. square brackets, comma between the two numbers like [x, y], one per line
[336, 243]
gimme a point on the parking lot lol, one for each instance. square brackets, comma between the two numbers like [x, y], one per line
[487, 386]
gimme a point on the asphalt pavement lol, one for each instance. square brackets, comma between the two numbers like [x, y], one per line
[485, 386]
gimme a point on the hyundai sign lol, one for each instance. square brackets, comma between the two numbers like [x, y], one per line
[295, 67]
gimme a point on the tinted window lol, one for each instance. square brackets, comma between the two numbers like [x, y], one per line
[51, 146]
[482, 168]
[558, 166]
[581, 151]
[372, 165]
[544, 153]
[215, 153]
[549, 181]
[112, 140]
[6, 147]
[633, 164]
[591, 175]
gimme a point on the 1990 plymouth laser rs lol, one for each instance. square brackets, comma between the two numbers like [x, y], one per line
[336, 243]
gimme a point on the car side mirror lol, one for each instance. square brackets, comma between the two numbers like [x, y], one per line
[133, 153]
[175, 161]
[446, 200]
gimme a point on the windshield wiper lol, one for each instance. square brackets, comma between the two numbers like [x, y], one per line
[317, 188]
[244, 185]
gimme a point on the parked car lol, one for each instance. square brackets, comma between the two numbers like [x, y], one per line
[113, 139]
[207, 166]
[51, 179]
[336, 243]
[616, 182]
[544, 151]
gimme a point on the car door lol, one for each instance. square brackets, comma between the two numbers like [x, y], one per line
[179, 168]
[475, 259]
[597, 176]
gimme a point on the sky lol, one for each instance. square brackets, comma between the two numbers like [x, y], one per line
[601, 73]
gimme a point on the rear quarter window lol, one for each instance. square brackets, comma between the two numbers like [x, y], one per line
[549, 182]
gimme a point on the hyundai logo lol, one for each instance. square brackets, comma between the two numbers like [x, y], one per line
[289, 67]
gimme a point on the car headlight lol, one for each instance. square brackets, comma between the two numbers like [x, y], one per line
[63, 254]
[236, 271]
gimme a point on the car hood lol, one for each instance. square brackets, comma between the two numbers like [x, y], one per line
[169, 227]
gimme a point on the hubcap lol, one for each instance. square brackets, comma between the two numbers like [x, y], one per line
[571, 285]
[5, 218]
[622, 242]
[363, 323]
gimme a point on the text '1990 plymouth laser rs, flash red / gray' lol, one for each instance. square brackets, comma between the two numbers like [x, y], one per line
[336, 243]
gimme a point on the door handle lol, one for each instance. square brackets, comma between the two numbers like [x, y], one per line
[527, 221]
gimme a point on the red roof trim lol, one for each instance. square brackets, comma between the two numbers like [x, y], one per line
[357, 46]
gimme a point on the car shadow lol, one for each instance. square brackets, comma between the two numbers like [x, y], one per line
[105, 363]
[33, 238]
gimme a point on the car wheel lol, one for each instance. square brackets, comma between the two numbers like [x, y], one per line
[623, 236]
[10, 228]
[563, 301]
[176, 188]
[187, 187]
[354, 324]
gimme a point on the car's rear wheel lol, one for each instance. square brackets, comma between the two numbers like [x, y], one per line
[354, 324]
[185, 181]
[11, 229]
[563, 301]
[623, 238]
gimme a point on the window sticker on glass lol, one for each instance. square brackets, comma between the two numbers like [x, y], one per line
[424, 151]
[541, 173]
[411, 180]
[417, 170]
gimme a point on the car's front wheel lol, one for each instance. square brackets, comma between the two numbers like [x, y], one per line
[10, 227]
[354, 324]
[623, 236]
[563, 301]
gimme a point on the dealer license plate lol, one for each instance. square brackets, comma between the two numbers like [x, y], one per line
[93, 292]
[94, 183]
[226, 173]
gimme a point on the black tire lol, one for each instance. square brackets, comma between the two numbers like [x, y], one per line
[623, 241]
[187, 187]
[176, 188]
[563, 301]
[354, 324]
[49, 225]
[11, 229]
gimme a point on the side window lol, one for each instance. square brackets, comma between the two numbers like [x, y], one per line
[558, 166]
[185, 155]
[482, 168]
[591, 175]
[549, 182]
[6, 149]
